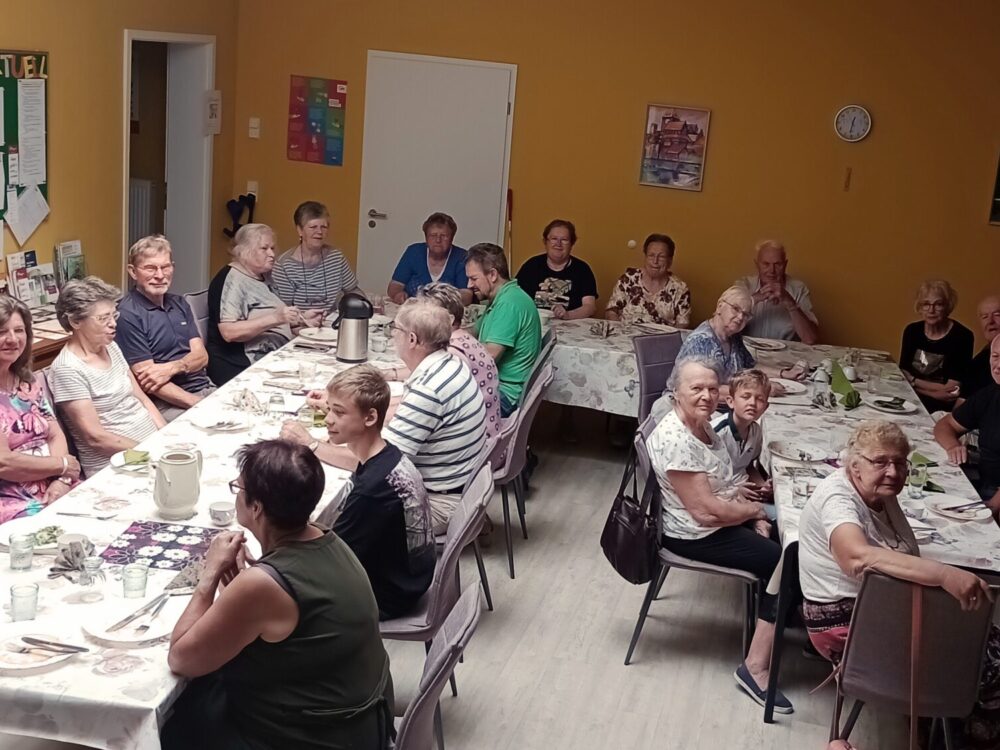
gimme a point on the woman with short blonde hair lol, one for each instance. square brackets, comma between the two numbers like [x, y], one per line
[936, 351]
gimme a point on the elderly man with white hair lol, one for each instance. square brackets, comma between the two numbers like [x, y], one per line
[781, 308]
[157, 332]
[978, 375]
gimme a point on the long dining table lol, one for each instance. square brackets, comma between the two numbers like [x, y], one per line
[118, 694]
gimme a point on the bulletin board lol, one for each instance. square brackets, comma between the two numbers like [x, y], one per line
[316, 113]
[23, 117]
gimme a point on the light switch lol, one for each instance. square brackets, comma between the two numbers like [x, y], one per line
[255, 127]
[252, 187]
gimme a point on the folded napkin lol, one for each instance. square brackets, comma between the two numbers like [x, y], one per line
[919, 459]
[134, 457]
[71, 557]
[840, 385]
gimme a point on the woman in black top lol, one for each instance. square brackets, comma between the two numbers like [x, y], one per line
[936, 351]
[556, 280]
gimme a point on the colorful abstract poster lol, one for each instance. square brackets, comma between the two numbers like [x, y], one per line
[316, 112]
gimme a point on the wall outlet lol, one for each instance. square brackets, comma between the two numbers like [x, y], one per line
[255, 127]
[252, 187]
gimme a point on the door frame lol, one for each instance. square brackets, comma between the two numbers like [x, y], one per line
[508, 136]
[167, 37]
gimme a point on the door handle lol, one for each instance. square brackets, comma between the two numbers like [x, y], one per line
[373, 214]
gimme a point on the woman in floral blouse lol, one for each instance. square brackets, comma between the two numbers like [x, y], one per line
[652, 294]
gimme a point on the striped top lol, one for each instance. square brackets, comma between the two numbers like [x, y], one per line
[441, 422]
[118, 409]
[309, 286]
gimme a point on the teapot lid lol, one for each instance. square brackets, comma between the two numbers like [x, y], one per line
[355, 306]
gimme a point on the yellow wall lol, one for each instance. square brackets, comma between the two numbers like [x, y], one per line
[148, 136]
[773, 75]
[85, 45]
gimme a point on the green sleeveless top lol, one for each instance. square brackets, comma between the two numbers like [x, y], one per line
[326, 685]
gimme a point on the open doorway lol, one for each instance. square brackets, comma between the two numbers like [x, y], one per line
[167, 160]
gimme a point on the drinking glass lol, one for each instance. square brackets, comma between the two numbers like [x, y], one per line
[23, 601]
[91, 575]
[874, 378]
[22, 548]
[307, 373]
[379, 344]
[134, 578]
[275, 407]
[918, 479]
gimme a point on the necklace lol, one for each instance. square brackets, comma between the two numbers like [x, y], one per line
[303, 283]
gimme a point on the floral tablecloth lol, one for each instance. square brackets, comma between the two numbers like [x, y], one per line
[116, 697]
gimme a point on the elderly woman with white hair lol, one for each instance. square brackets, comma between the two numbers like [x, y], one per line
[246, 319]
[704, 515]
[92, 386]
[720, 339]
[852, 524]
[937, 350]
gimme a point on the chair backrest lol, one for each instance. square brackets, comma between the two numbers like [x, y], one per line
[876, 665]
[199, 307]
[544, 354]
[655, 356]
[416, 729]
[43, 374]
[463, 527]
[643, 469]
[524, 417]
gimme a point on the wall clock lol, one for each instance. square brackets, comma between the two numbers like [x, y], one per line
[853, 123]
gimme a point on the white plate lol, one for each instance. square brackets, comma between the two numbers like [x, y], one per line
[29, 525]
[766, 345]
[936, 502]
[790, 452]
[221, 423]
[118, 463]
[907, 407]
[127, 637]
[14, 662]
[318, 334]
[792, 387]
[279, 369]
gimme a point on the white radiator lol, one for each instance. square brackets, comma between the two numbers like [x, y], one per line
[140, 206]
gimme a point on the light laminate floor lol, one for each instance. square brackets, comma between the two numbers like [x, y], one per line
[545, 670]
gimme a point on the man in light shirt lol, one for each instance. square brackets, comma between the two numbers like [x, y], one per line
[782, 308]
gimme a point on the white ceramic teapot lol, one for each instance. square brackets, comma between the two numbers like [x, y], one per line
[178, 483]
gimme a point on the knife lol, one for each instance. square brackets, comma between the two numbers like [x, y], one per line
[55, 645]
[137, 614]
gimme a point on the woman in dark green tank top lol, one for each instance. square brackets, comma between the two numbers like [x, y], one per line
[289, 654]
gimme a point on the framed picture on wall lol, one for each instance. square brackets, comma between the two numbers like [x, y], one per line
[995, 205]
[673, 147]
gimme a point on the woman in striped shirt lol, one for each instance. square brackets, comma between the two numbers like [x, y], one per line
[312, 275]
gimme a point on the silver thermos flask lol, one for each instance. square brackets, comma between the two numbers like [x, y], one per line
[353, 314]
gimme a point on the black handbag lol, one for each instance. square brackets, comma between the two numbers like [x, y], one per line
[629, 539]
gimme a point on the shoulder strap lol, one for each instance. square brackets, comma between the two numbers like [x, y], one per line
[277, 577]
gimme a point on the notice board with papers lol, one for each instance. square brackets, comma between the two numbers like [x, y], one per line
[23, 131]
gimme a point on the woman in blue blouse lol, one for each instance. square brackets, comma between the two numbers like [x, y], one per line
[435, 259]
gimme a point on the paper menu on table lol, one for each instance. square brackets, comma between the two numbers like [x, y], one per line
[30, 210]
[31, 130]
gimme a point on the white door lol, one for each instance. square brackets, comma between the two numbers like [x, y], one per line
[437, 138]
[187, 222]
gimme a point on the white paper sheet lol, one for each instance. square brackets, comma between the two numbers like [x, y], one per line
[13, 170]
[30, 211]
[31, 130]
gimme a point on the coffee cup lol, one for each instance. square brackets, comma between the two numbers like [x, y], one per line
[821, 376]
[222, 513]
[850, 372]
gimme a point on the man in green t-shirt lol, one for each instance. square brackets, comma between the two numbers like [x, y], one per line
[510, 328]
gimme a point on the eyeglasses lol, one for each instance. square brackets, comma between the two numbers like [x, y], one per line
[106, 318]
[882, 464]
[558, 241]
[739, 310]
[235, 487]
[938, 304]
[165, 268]
[394, 326]
[439, 236]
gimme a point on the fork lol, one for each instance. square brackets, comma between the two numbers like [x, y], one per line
[152, 616]
[98, 516]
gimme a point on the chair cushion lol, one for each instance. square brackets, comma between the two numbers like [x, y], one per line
[411, 627]
[676, 561]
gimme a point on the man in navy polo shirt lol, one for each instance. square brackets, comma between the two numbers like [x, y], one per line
[157, 332]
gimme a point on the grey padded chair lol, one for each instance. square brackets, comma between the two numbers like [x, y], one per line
[424, 622]
[544, 355]
[876, 667]
[667, 560]
[655, 355]
[422, 721]
[514, 439]
[199, 306]
[486, 456]
[70, 444]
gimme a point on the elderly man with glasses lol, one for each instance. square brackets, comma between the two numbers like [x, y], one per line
[157, 332]
[782, 308]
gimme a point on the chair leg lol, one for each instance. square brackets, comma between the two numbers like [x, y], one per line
[949, 736]
[789, 575]
[749, 594]
[519, 499]
[664, 569]
[646, 601]
[506, 529]
[482, 573]
[838, 709]
[852, 719]
[438, 726]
